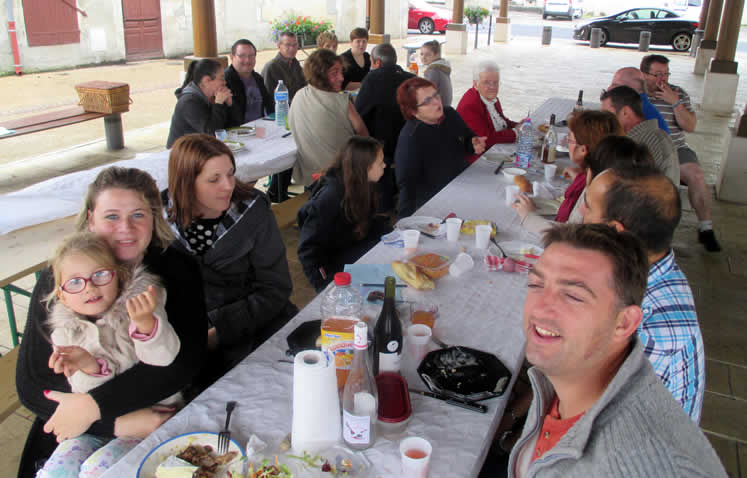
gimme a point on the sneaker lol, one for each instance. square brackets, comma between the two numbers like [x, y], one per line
[708, 239]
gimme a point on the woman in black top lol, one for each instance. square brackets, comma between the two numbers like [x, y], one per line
[356, 61]
[230, 230]
[433, 145]
[123, 207]
[339, 222]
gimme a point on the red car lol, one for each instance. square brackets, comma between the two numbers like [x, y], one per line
[427, 18]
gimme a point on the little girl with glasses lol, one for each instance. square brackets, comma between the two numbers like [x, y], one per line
[103, 319]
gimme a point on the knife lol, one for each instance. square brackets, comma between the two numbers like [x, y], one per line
[498, 169]
[457, 402]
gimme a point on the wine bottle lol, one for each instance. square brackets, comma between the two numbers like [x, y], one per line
[388, 334]
[360, 398]
[550, 143]
[580, 101]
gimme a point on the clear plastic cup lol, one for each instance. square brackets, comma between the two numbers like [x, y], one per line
[221, 134]
[482, 235]
[416, 457]
[550, 170]
[418, 338]
[411, 238]
[453, 227]
[462, 263]
[511, 192]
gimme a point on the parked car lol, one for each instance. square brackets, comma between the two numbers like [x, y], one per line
[666, 27]
[563, 8]
[427, 18]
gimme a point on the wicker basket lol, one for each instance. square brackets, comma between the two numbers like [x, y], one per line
[104, 96]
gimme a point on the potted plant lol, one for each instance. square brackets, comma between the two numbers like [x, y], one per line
[305, 28]
[476, 14]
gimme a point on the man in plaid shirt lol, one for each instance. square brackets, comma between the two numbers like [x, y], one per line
[644, 201]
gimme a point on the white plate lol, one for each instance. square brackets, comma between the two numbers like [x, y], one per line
[177, 444]
[427, 224]
[241, 132]
[234, 146]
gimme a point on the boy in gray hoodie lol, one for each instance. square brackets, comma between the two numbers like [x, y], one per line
[437, 70]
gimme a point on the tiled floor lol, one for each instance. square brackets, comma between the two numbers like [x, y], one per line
[529, 75]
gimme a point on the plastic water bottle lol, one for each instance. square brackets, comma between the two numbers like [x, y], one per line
[281, 104]
[342, 299]
[525, 143]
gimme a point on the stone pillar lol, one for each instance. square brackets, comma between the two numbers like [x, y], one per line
[502, 24]
[203, 33]
[456, 32]
[376, 32]
[721, 79]
[733, 170]
[708, 45]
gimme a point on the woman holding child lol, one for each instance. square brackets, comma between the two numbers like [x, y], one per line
[123, 208]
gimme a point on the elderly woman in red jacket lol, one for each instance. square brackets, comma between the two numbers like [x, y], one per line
[481, 110]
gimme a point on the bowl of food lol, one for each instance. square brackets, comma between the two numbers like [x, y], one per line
[511, 173]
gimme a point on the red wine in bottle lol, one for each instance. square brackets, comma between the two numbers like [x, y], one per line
[388, 334]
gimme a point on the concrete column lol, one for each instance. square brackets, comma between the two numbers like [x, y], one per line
[708, 46]
[377, 17]
[721, 79]
[733, 171]
[502, 24]
[456, 32]
[203, 33]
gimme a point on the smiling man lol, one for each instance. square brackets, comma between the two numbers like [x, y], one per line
[598, 408]
[251, 100]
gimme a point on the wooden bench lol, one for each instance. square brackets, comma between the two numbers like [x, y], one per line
[55, 119]
[9, 402]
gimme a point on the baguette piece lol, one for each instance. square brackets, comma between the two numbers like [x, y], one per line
[409, 273]
[524, 185]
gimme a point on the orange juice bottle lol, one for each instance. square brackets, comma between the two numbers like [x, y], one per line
[341, 309]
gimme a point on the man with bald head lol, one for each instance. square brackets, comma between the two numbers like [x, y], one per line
[643, 201]
[632, 77]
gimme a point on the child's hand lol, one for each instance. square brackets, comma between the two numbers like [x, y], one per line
[70, 359]
[141, 308]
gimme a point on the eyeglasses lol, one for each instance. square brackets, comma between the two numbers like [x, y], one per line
[428, 100]
[663, 74]
[492, 84]
[76, 285]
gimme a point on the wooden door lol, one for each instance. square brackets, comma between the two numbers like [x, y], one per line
[142, 27]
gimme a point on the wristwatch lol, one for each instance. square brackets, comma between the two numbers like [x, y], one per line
[679, 102]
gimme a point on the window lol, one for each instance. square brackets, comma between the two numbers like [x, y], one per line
[51, 22]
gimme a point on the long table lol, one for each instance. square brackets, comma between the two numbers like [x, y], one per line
[479, 309]
[63, 196]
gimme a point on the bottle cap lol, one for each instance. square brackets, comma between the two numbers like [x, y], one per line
[342, 278]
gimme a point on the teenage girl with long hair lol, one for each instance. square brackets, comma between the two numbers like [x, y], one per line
[339, 222]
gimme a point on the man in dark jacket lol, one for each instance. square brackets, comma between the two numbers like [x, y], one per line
[251, 100]
[377, 105]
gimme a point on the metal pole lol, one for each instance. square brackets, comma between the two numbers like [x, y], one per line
[13, 37]
[490, 29]
[477, 29]
[546, 35]
[595, 37]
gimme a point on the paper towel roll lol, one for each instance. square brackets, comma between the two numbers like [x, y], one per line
[316, 404]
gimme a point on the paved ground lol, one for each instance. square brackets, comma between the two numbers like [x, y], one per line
[530, 73]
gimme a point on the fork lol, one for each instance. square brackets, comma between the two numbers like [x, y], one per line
[224, 437]
[492, 239]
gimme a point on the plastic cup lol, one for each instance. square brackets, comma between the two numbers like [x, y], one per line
[411, 238]
[482, 235]
[511, 192]
[220, 134]
[462, 263]
[418, 337]
[424, 313]
[416, 457]
[260, 131]
[453, 227]
[550, 170]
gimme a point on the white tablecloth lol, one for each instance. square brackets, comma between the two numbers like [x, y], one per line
[479, 309]
[63, 196]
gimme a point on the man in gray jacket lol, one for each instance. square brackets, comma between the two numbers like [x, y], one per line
[598, 408]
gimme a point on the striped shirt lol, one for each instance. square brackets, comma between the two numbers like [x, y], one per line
[660, 146]
[671, 336]
[667, 112]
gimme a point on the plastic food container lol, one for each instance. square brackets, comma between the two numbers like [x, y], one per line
[433, 265]
[395, 409]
